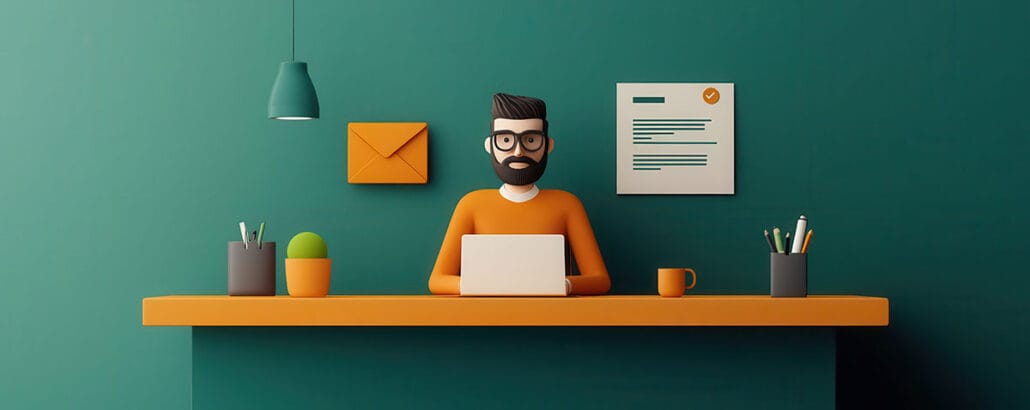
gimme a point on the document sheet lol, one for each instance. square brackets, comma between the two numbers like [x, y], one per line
[674, 138]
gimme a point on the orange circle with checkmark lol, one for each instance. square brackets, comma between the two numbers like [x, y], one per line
[710, 95]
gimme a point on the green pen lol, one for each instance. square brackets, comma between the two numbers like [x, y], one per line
[778, 239]
[261, 233]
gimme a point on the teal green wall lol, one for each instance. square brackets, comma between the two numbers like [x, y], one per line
[133, 137]
[457, 368]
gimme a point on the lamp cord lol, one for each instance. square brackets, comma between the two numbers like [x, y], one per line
[293, 30]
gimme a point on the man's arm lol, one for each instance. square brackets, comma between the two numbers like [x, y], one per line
[593, 278]
[445, 279]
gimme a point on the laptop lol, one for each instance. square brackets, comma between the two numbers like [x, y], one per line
[512, 265]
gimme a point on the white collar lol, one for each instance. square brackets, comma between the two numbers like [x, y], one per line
[519, 198]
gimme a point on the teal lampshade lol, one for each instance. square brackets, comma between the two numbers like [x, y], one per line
[293, 95]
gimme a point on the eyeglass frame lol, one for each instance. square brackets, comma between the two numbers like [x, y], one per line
[518, 140]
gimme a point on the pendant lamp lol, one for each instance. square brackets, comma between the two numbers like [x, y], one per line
[293, 95]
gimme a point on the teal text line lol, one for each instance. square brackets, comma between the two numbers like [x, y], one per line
[662, 160]
[669, 124]
[670, 155]
[672, 119]
[669, 129]
[674, 142]
[677, 164]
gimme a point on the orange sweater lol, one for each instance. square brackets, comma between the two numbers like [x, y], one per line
[551, 212]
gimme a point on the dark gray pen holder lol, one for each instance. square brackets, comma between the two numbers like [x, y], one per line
[251, 269]
[788, 275]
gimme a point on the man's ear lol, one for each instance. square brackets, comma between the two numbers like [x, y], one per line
[550, 144]
[486, 145]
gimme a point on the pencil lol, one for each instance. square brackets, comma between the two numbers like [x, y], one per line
[772, 246]
[779, 242]
[808, 238]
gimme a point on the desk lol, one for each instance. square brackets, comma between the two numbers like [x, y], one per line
[446, 351]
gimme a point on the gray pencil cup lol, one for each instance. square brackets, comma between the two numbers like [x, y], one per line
[251, 269]
[788, 275]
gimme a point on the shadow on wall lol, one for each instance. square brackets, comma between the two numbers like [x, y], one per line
[878, 369]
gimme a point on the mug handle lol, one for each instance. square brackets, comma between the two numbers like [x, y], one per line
[693, 277]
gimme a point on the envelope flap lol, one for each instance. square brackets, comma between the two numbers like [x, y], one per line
[386, 137]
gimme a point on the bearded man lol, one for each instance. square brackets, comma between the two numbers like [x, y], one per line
[519, 145]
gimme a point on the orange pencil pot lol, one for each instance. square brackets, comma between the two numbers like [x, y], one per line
[308, 268]
[308, 277]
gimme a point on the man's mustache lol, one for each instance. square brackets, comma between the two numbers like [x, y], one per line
[524, 160]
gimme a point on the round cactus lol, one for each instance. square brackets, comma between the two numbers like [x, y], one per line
[307, 245]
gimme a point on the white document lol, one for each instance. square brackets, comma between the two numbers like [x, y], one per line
[674, 138]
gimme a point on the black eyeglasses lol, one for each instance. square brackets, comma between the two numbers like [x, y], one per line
[530, 140]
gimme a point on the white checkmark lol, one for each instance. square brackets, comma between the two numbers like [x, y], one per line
[709, 96]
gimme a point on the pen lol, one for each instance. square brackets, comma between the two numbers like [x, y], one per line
[808, 238]
[243, 233]
[261, 233]
[786, 244]
[798, 234]
[779, 242]
[772, 247]
[253, 236]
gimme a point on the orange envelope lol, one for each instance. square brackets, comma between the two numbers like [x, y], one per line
[387, 153]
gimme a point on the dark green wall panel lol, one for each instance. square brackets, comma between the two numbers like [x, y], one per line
[512, 368]
[133, 136]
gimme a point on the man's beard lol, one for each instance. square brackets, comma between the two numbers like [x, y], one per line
[524, 176]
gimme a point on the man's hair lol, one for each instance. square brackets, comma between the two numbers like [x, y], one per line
[517, 107]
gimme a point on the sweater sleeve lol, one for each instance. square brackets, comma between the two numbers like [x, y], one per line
[593, 278]
[445, 279]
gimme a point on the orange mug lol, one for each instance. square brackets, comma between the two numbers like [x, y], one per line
[673, 281]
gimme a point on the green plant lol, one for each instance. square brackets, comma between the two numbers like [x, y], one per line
[307, 245]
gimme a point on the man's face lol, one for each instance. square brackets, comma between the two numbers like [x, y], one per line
[520, 165]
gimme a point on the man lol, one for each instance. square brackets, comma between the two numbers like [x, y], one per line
[519, 146]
